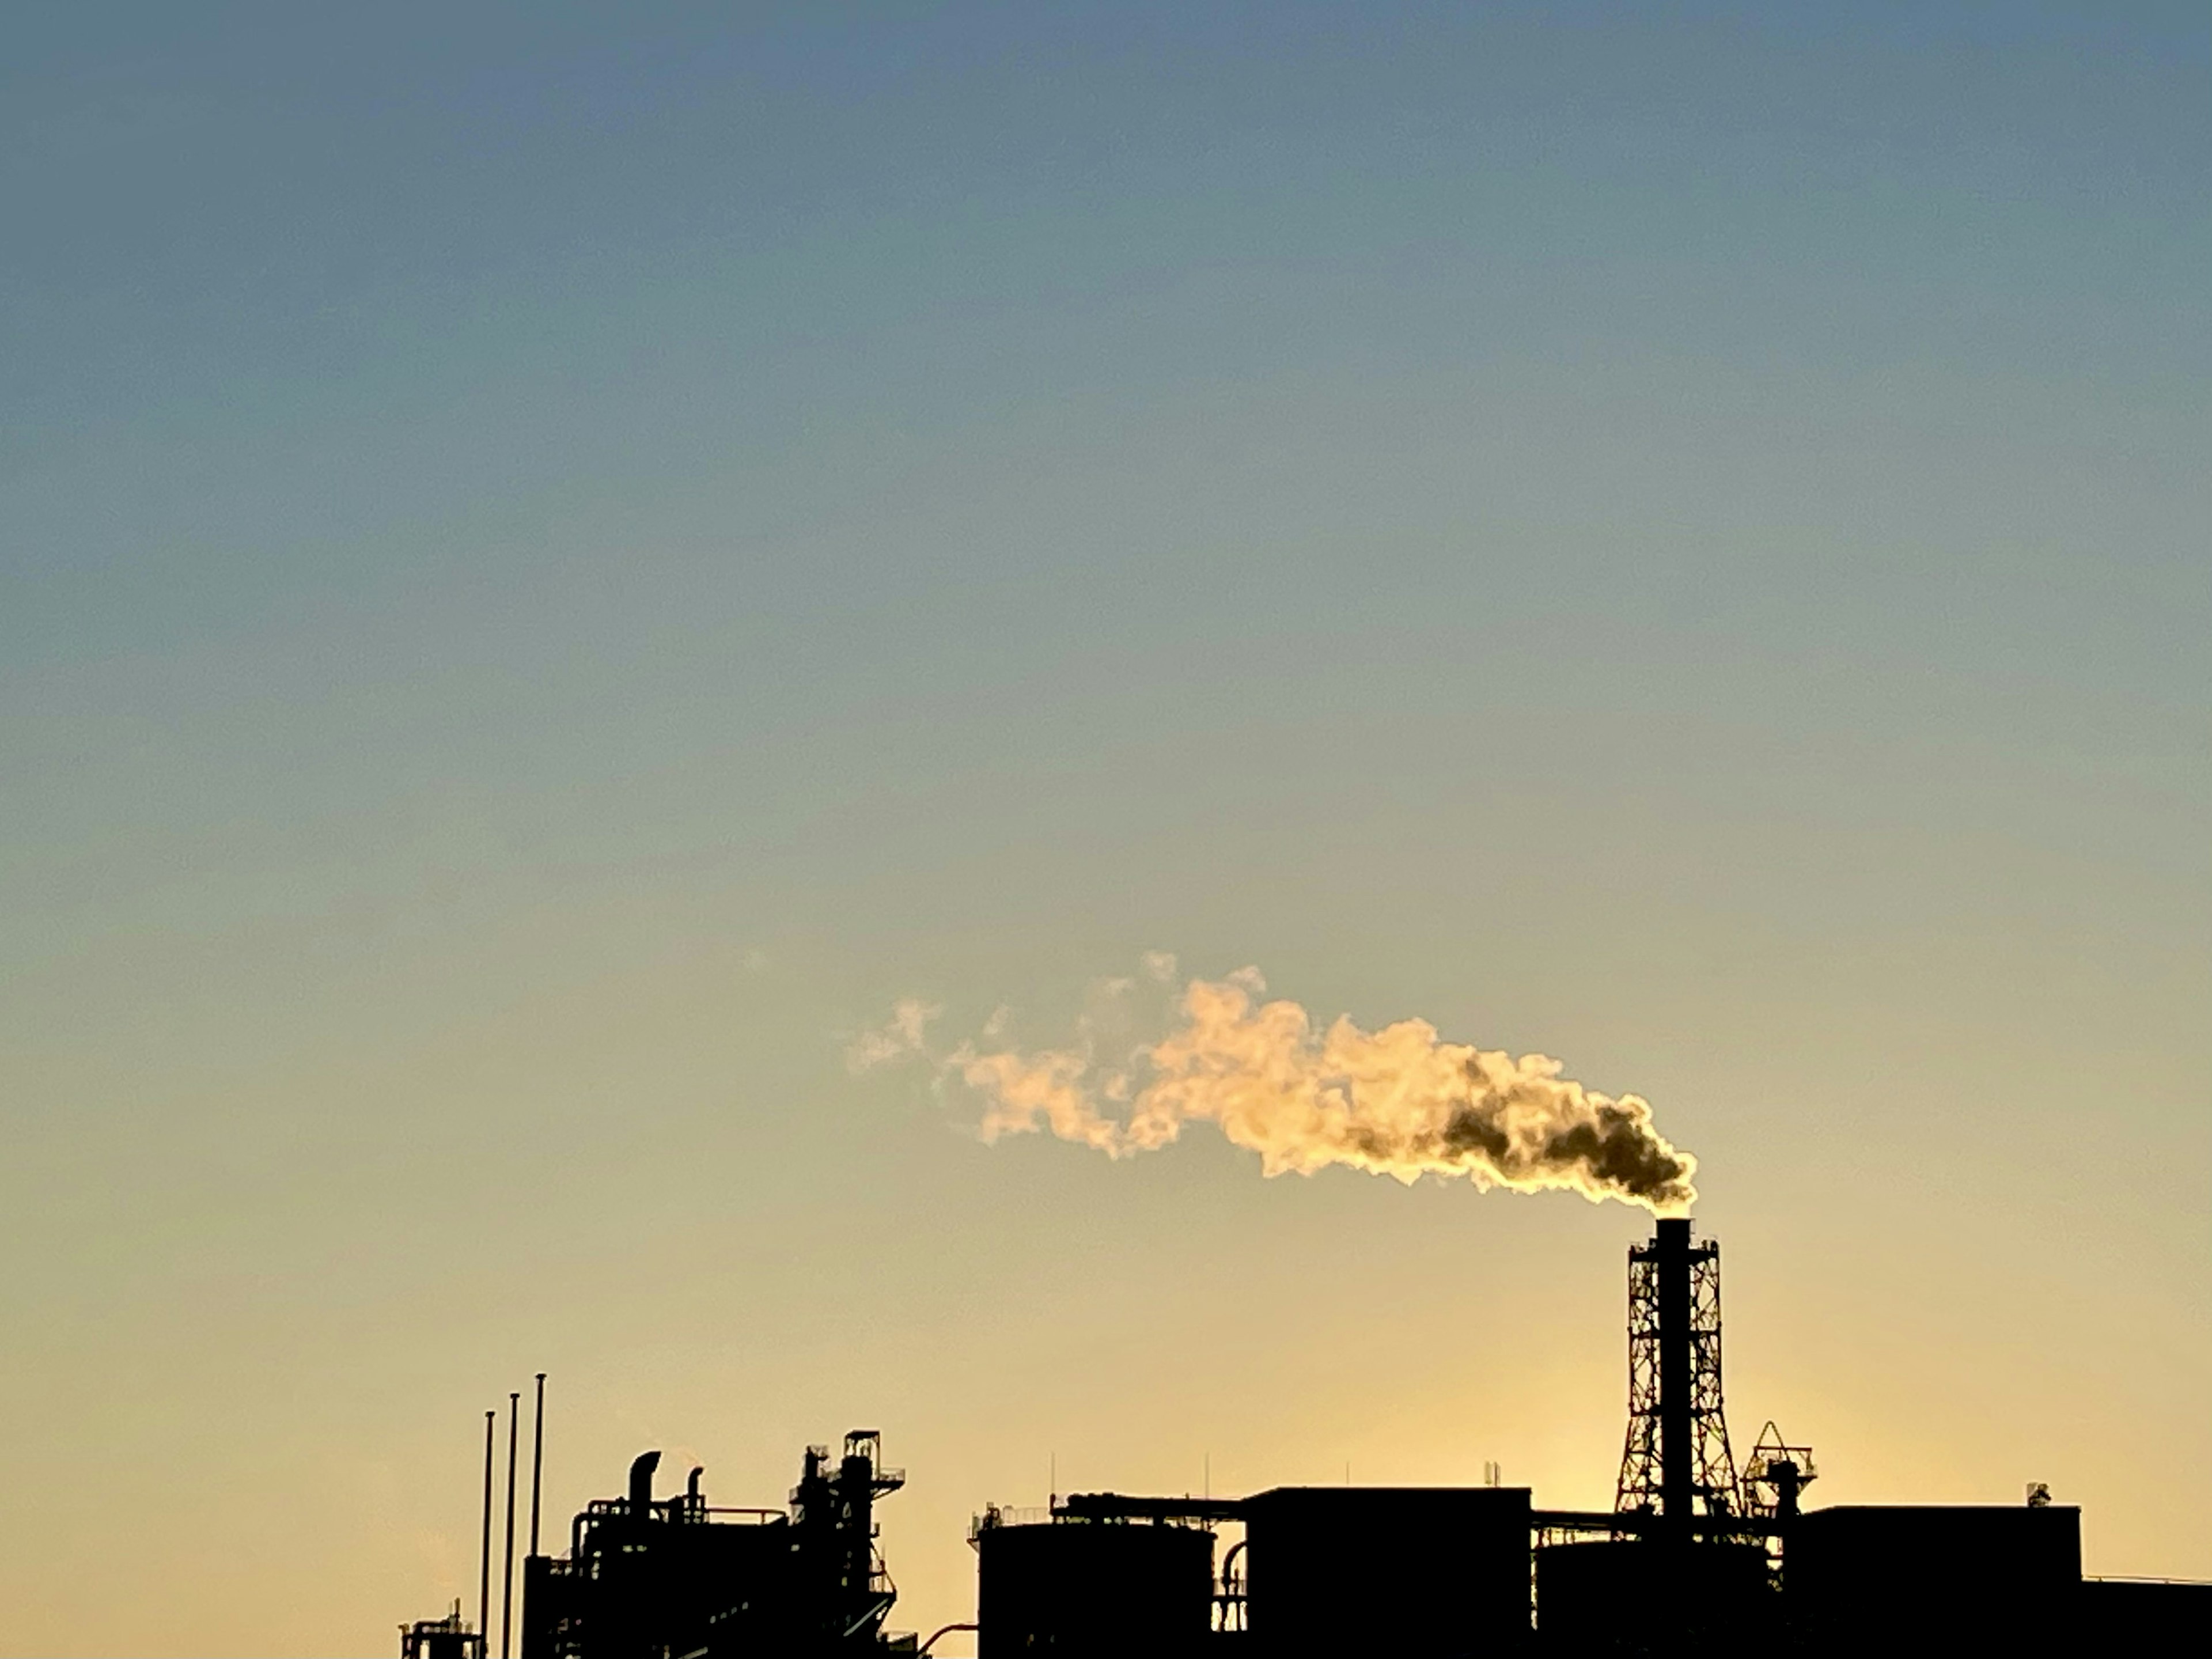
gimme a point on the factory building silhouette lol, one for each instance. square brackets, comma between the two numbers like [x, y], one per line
[1699, 1555]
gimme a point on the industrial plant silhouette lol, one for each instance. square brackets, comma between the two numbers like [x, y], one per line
[1699, 1555]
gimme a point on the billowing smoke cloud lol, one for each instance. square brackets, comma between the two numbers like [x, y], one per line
[1399, 1101]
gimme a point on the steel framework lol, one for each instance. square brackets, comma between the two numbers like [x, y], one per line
[1676, 1464]
[1774, 1476]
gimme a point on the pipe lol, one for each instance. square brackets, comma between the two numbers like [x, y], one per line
[640, 1483]
[537, 1460]
[932, 1643]
[507, 1584]
[484, 1554]
[1229, 1563]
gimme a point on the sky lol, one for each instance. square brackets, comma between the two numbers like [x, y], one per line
[555, 562]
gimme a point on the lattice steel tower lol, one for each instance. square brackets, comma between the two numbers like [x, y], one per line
[1676, 1463]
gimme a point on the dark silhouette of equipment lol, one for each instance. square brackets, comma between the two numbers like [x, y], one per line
[1430, 1572]
[1654, 1595]
[449, 1637]
[1684, 1566]
[1086, 1587]
[2144, 1615]
[656, 1578]
[1696, 1558]
[1944, 1578]
[1676, 1462]
[1427, 1573]
[1775, 1477]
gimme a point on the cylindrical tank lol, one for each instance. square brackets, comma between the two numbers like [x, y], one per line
[1086, 1587]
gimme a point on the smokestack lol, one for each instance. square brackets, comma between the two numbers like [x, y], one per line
[1677, 1456]
[640, 1483]
[1676, 1462]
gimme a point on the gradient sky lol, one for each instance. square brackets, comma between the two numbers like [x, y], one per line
[555, 560]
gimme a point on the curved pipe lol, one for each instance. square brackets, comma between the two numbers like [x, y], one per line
[932, 1643]
[640, 1482]
[1229, 1562]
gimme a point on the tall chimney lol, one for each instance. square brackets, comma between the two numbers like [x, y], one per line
[1676, 1460]
[1678, 1456]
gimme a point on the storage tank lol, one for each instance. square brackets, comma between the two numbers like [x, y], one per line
[1093, 1588]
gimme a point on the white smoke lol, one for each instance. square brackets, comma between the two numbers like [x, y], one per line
[900, 1038]
[1399, 1101]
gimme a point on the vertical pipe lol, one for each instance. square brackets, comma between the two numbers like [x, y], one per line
[506, 1579]
[483, 1556]
[1677, 1456]
[640, 1483]
[537, 1459]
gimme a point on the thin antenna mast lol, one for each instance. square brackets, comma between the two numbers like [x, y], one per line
[484, 1553]
[537, 1460]
[506, 1582]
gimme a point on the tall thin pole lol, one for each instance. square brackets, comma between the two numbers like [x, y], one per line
[506, 1582]
[537, 1459]
[484, 1555]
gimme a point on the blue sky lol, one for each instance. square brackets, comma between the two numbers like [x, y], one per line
[553, 561]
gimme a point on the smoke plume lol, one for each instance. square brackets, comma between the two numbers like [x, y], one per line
[1399, 1101]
